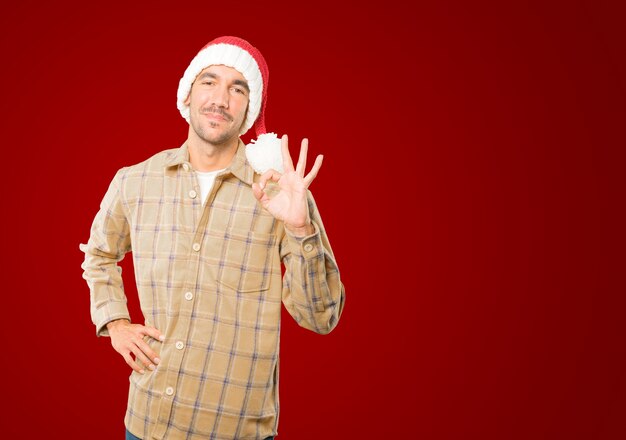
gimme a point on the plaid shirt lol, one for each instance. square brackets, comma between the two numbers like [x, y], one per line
[209, 278]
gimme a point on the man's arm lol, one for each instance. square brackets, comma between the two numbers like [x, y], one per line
[313, 293]
[108, 243]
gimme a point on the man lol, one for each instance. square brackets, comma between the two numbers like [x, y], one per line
[209, 224]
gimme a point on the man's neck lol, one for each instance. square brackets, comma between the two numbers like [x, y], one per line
[208, 157]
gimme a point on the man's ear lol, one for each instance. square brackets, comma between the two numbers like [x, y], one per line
[188, 100]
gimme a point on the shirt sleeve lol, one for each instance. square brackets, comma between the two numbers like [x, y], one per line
[313, 293]
[109, 241]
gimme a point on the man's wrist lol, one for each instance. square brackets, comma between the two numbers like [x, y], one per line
[302, 231]
[116, 322]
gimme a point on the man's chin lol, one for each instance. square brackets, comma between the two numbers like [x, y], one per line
[219, 138]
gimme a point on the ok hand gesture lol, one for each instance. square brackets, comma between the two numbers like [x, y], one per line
[290, 204]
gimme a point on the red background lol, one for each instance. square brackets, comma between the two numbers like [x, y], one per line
[472, 189]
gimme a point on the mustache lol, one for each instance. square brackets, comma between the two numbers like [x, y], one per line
[219, 111]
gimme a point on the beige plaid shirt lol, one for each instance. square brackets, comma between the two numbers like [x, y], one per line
[209, 278]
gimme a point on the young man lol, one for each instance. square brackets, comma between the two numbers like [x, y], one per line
[209, 224]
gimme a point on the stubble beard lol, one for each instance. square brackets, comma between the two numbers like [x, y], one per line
[219, 140]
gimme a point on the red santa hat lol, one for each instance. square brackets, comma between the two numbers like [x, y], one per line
[264, 152]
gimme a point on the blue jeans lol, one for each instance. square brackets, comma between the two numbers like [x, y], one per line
[129, 436]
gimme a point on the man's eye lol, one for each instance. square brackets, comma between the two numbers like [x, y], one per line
[208, 83]
[237, 90]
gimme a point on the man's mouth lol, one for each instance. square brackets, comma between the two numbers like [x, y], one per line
[217, 115]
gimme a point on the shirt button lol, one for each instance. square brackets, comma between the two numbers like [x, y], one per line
[185, 167]
[308, 247]
[180, 345]
[193, 194]
[169, 391]
[196, 247]
[188, 296]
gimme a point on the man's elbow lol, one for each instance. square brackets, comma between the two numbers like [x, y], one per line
[330, 320]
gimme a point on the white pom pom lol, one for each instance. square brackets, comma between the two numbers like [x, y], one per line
[265, 153]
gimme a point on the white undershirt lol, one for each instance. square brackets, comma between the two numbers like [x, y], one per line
[205, 180]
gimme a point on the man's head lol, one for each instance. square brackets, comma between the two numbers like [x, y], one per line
[217, 105]
[228, 72]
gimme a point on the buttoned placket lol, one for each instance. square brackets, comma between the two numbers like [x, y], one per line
[181, 331]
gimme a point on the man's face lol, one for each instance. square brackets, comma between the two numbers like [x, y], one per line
[218, 103]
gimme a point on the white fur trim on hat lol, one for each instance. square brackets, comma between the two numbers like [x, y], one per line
[265, 153]
[231, 56]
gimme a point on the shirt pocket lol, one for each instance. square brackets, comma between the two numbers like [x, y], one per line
[246, 260]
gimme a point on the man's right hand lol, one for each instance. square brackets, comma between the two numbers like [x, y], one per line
[127, 338]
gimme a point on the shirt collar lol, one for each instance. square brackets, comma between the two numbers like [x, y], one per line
[239, 166]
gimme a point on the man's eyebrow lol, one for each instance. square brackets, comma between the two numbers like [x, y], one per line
[238, 82]
[242, 83]
[208, 75]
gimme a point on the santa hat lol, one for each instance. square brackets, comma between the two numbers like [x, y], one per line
[264, 152]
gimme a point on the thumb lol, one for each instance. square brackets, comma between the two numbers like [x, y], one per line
[259, 194]
[257, 191]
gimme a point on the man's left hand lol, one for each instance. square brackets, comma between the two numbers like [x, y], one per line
[290, 204]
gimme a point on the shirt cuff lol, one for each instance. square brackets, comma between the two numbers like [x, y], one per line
[307, 246]
[109, 312]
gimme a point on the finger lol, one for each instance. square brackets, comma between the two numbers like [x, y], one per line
[145, 348]
[287, 162]
[316, 167]
[132, 364]
[269, 175]
[141, 357]
[259, 194]
[153, 333]
[302, 159]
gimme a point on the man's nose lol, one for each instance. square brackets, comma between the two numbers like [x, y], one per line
[220, 97]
